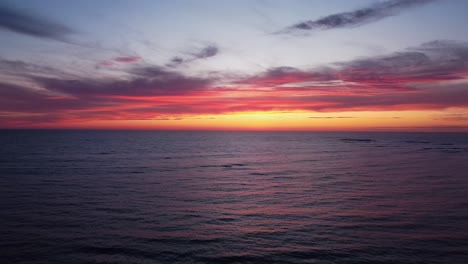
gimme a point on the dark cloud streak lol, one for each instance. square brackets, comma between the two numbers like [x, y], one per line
[375, 12]
[30, 24]
[206, 52]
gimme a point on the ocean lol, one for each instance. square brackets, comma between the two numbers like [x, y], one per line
[233, 197]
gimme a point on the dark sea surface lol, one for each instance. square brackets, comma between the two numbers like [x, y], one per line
[233, 197]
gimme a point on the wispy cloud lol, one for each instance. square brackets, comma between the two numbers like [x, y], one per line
[119, 60]
[176, 61]
[204, 53]
[27, 23]
[365, 15]
[15, 67]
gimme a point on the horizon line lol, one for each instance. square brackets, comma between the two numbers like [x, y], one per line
[234, 130]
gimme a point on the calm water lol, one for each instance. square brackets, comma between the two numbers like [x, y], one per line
[233, 197]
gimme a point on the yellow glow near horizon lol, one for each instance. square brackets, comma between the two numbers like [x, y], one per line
[290, 121]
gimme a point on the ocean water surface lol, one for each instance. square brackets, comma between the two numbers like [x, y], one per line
[233, 197]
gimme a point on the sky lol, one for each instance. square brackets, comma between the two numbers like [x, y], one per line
[361, 65]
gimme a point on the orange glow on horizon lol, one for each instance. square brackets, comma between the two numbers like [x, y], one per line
[279, 121]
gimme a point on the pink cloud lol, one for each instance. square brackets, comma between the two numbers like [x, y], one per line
[127, 59]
